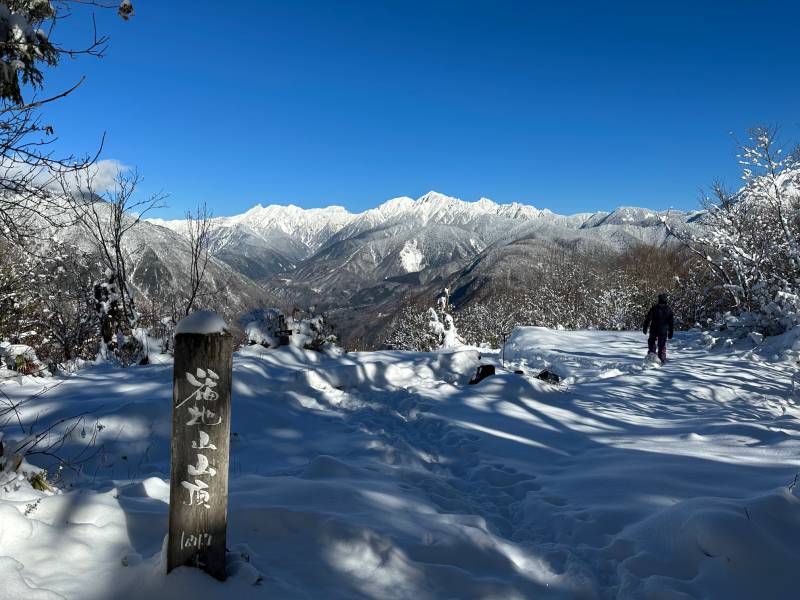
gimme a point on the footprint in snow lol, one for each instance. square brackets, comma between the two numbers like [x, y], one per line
[555, 500]
[557, 561]
[497, 477]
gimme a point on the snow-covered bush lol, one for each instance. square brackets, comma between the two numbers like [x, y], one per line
[22, 359]
[269, 327]
[442, 325]
[409, 330]
[443, 329]
[749, 238]
[117, 320]
[264, 326]
[484, 324]
[46, 303]
[424, 330]
[311, 332]
[17, 291]
[618, 307]
[65, 318]
[696, 298]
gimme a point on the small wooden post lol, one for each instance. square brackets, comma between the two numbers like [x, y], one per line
[283, 331]
[201, 424]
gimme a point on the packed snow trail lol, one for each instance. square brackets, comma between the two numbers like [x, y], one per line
[385, 475]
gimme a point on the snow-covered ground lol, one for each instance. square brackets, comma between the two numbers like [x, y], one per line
[385, 475]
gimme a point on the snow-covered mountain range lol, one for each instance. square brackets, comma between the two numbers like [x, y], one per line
[400, 236]
[347, 263]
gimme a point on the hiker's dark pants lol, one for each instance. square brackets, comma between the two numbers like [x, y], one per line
[661, 339]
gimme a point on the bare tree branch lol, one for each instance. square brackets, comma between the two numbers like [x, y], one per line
[199, 232]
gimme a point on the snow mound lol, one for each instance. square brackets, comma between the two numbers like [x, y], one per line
[323, 467]
[370, 375]
[716, 548]
[152, 487]
[606, 355]
[14, 584]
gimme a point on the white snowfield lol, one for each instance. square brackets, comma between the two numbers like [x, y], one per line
[385, 475]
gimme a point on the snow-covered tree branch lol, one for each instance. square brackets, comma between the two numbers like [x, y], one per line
[30, 167]
[748, 237]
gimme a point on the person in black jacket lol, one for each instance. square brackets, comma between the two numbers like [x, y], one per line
[660, 322]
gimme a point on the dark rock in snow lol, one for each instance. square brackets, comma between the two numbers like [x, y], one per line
[483, 372]
[549, 377]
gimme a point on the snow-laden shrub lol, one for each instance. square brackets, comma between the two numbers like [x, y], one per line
[618, 307]
[17, 290]
[312, 332]
[22, 359]
[424, 329]
[68, 325]
[749, 238]
[46, 301]
[270, 328]
[484, 324]
[118, 319]
[443, 330]
[262, 326]
[409, 330]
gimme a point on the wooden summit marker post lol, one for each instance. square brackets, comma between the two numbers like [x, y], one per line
[201, 425]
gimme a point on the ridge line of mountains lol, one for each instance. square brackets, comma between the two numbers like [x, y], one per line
[347, 263]
[278, 238]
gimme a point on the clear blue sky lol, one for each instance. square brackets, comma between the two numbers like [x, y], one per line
[573, 106]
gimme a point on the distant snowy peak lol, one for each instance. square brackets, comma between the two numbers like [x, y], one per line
[298, 233]
[309, 226]
[435, 203]
[627, 215]
[176, 225]
[437, 208]
[290, 216]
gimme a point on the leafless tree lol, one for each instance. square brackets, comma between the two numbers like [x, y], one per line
[198, 227]
[29, 166]
[108, 218]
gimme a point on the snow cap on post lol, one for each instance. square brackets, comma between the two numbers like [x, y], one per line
[202, 322]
